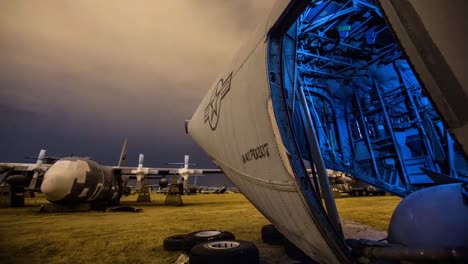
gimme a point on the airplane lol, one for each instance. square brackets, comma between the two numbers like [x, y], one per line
[185, 172]
[74, 180]
[372, 88]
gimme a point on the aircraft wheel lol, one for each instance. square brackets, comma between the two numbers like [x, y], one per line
[192, 239]
[225, 252]
[174, 243]
[115, 202]
[296, 253]
[364, 193]
[357, 193]
[271, 235]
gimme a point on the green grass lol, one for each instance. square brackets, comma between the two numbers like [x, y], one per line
[372, 211]
[122, 237]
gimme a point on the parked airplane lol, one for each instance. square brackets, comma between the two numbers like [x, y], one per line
[80, 180]
[372, 88]
[185, 172]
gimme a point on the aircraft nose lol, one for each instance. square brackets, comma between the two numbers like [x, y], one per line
[57, 183]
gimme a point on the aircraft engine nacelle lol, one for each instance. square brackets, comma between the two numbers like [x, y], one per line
[163, 182]
[17, 180]
[126, 191]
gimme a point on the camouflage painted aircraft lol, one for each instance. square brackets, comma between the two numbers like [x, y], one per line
[74, 180]
[373, 88]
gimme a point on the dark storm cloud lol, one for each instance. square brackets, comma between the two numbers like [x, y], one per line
[79, 76]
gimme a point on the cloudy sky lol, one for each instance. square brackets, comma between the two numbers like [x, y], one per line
[80, 76]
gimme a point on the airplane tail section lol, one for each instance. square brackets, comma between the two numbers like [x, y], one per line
[123, 154]
[37, 169]
[186, 161]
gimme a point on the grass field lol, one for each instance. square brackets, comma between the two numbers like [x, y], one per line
[122, 237]
[374, 211]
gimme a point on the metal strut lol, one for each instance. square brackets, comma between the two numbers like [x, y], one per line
[314, 149]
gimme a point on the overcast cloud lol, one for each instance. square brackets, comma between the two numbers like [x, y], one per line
[79, 76]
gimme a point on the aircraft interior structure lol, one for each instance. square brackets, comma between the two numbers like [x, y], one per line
[345, 74]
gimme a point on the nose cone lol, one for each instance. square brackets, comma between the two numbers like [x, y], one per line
[54, 187]
[58, 181]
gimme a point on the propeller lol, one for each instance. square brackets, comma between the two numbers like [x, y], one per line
[37, 169]
[185, 172]
[140, 172]
[186, 162]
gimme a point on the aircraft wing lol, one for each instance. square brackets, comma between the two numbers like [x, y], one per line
[172, 171]
[152, 173]
[22, 174]
[207, 171]
[22, 167]
[159, 172]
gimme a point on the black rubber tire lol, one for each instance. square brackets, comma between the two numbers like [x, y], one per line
[174, 243]
[245, 252]
[296, 253]
[192, 239]
[115, 202]
[271, 235]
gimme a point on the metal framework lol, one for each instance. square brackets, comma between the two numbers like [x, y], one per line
[373, 118]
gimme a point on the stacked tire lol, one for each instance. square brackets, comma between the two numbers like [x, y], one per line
[225, 252]
[271, 235]
[296, 253]
[174, 243]
[213, 246]
[195, 238]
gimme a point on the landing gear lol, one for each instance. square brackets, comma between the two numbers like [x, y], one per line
[16, 196]
[115, 202]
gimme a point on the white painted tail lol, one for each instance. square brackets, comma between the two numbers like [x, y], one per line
[186, 161]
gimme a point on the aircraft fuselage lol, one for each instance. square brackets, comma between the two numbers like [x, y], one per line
[77, 180]
[370, 88]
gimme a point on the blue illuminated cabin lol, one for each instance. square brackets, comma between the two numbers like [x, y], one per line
[371, 116]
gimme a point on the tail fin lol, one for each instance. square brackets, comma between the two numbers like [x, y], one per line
[186, 161]
[123, 155]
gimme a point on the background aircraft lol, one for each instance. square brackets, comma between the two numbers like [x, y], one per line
[73, 180]
[184, 173]
[375, 89]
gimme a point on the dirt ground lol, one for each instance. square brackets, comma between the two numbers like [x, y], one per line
[276, 254]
